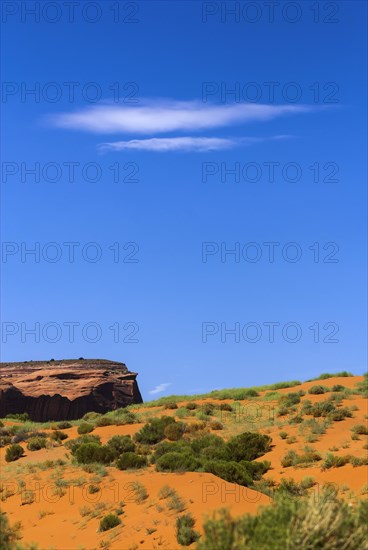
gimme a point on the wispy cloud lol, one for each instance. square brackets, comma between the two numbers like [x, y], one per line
[160, 388]
[155, 117]
[188, 143]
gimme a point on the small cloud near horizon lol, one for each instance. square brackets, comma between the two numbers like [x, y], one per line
[160, 388]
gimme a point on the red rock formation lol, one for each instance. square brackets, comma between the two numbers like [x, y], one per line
[66, 389]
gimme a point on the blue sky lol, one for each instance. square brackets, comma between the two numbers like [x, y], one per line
[171, 137]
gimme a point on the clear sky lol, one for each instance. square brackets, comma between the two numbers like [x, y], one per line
[168, 134]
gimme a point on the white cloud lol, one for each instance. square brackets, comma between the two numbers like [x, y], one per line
[152, 117]
[160, 388]
[187, 143]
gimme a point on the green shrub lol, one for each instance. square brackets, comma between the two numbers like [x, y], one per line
[13, 452]
[174, 431]
[93, 489]
[109, 522]
[36, 443]
[154, 430]
[340, 414]
[215, 425]
[177, 462]
[103, 421]
[166, 491]
[226, 407]
[170, 405]
[216, 452]
[8, 535]
[283, 435]
[85, 428]
[191, 406]
[176, 503]
[185, 534]
[293, 459]
[289, 523]
[57, 435]
[208, 409]
[289, 399]
[317, 390]
[360, 429]
[73, 444]
[337, 388]
[249, 446]
[121, 444]
[332, 461]
[92, 452]
[208, 440]
[21, 417]
[64, 425]
[229, 471]
[129, 460]
[1, 424]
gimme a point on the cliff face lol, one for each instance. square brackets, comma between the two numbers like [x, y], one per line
[67, 389]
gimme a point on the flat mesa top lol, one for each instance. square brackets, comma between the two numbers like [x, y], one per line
[19, 369]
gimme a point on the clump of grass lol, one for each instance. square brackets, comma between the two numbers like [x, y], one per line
[176, 503]
[166, 491]
[140, 492]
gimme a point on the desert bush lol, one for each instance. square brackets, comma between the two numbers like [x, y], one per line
[174, 431]
[185, 534]
[140, 492]
[177, 462]
[154, 430]
[289, 523]
[360, 429]
[340, 414]
[129, 460]
[358, 461]
[109, 522]
[103, 421]
[229, 471]
[8, 535]
[191, 406]
[293, 459]
[249, 446]
[121, 444]
[208, 409]
[317, 390]
[215, 452]
[226, 407]
[215, 425]
[64, 425]
[289, 399]
[36, 443]
[13, 452]
[85, 428]
[283, 435]
[1, 424]
[4, 440]
[93, 452]
[170, 405]
[337, 388]
[176, 503]
[73, 444]
[207, 440]
[166, 491]
[21, 417]
[333, 461]
[58, 435]
[92, 489]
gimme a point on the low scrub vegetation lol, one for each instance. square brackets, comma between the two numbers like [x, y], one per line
[185, 534]
[14, 452]
[289, 523]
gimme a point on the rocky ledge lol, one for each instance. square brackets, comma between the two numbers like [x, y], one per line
[66, 389]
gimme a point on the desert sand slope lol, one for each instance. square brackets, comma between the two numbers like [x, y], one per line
[58, 511]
